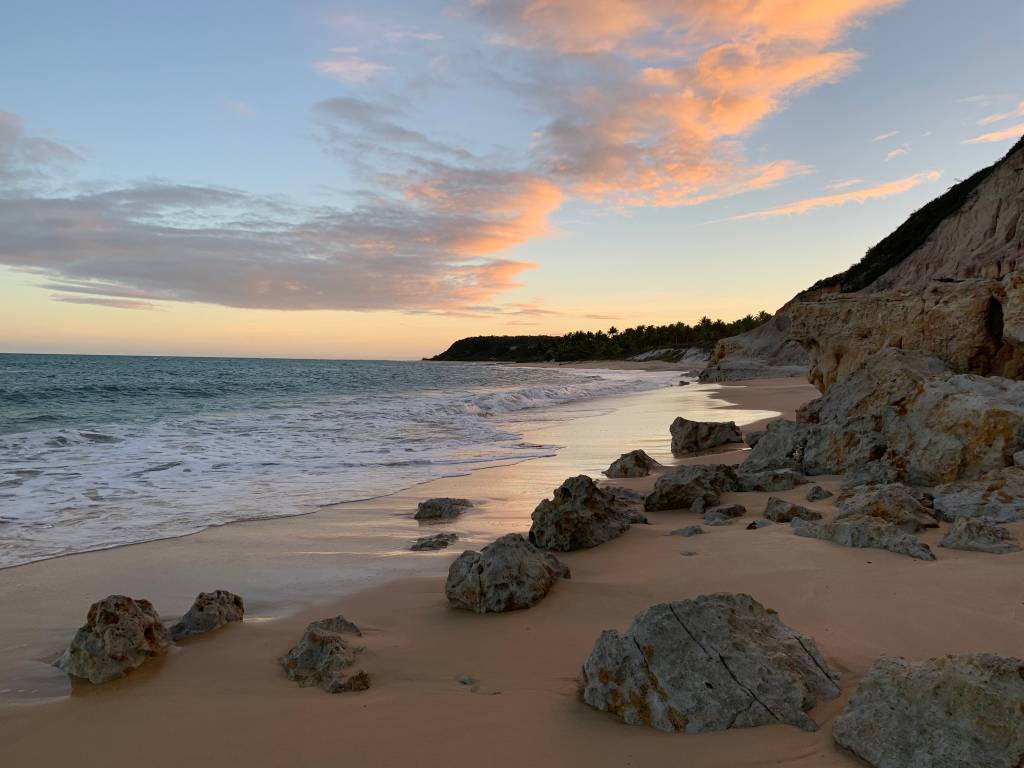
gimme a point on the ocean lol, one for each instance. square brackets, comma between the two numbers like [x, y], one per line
[99, 451]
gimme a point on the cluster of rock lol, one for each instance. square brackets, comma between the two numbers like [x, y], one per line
[699, 487]
[121, 633]
[581, 514]
[695, 436]
[325, 657]
[441, 508]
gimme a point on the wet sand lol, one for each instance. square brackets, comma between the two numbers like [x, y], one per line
[223, 698]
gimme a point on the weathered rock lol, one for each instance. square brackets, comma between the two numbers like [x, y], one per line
[782, 511]
[693, 436]
[756, 524]
[894, 503]
[951, 712]
[442, 508]
[627, 501]
[865, 532]
[876, 472]
[780, 447]
[632, 464]
[508, 574]
[979, 535]
[694, 487]
[766, 351]
[751, 438]
[714, 662]
[817, 493]
[119, 634]
[727, 510]
[690, 530]
[999, 496]
[717, 518]
[579, 515]
[769, 480]
[324, 657]
[210, 611]
[434, 541]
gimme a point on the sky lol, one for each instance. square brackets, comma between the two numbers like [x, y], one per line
[375, 180]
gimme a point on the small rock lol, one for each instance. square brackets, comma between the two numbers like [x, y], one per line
[769, 480]
[119, 634]
[434, 541]
[714, 662]
[693, 436]
[579, 515]
[695, 488]
[687, 553]
[467, 680]
[210, 611]
[998, 496]
[977, 534]
[951, 712]
[728, 510]
[891, 502]
[751, 438]
[817, 493]
[865, 531]
[325, 658]
[508, 574]
[632, 464]
[754, 525]
[717, 518]
[782, 511]
[442, 508]
[690, 530]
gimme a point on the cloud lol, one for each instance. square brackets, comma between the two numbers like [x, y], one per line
[987, 98]
[348, 67]
[887, 189]
[892, 154]
[884, 136]
[1013, 132]
[843, 184]
[101, 302]
[29, 160]
[997, 118]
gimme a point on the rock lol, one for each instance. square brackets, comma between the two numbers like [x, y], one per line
[950, 712]
[751, 438]
[632, 464]
[690, 530]
[442, 508]
[579, 515]
[324, 657]
[119, 634]
[694, 487]
[693, 436]
[780, 447]
[765, 352]
[894, 503]
[717, 518]
[467, 680]
[877, 472]
[979, 535]
[999, 496]
[210, 611]
[688, 553]
[782, 511]
[433, 542]
[628, 502]
[769, 480]
[817, 493]
[714, 662]
[865, 532]
[754, 525]
[727, 510]
[1018, 459]
[508, 574]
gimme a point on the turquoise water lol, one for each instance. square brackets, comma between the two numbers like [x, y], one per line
[99, 451]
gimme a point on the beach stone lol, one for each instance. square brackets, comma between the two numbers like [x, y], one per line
[695, 487]
[579, 515]
[441, 508]
[324, 657]
[755, 524]
[998, 496]
[508, 574]
[751, 438]
[951, 712]
[693, 436]
[865, 532]
[817, 493]
[434, 541]
[690, 530]
[728, 510]
[632, 464]
[892, 502]
[628, 502]
[877, 472]
[977, 534]
[688, 553]
[210, 611]
[717, 518]
[782, 511]
[119, 634]
[769, 480]
[714, 662]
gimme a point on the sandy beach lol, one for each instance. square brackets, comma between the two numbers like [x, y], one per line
[223, 697]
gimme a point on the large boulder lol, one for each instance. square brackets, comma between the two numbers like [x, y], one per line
[119, 634]
[953, 712]
[210, 611]
[714, 662]
[979, 535]
[325, 657]
[892, 502]
[508, 574]
[695, 487]
[782, 511]
[693, 436]
[633, 464]
[580, 514]
[998, 496]
[867, 532]
[441, 508]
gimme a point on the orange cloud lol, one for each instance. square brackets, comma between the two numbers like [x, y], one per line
[887, 189]
[1002, 115]
[1013, 132]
